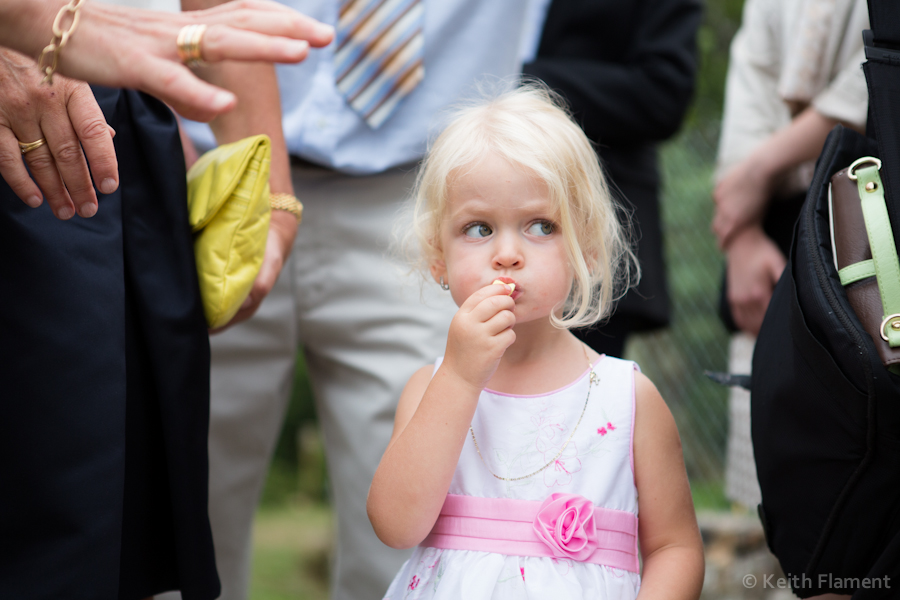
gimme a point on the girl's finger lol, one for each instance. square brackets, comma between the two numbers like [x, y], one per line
[70, 161]
[500, 322]
[227, 43]
[96, 139]
[492, 305]
[476, 298]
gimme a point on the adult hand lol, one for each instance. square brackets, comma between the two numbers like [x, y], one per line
[754, 266]
[126, 47]
[282, 230]
[67, 116]
[741, 198]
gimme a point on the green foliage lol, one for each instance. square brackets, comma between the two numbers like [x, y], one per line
[709, 495]
[292, 548]
[675, 358]
[720, 22]
[298, 465]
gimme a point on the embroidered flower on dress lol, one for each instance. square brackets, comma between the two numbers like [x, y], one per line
[549, 432]
[522, 570]
[413, 583]
[604, 430]
[560, 472]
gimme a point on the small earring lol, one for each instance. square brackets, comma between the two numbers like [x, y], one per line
[444, 286]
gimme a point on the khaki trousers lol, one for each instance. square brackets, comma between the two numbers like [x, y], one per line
[366, 324]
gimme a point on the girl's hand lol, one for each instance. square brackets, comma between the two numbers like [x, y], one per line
[479, 334]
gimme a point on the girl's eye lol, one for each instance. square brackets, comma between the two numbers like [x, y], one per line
[478, 230]
[541, 228]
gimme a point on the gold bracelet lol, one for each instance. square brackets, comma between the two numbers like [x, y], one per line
[288, 203]
[49, 58]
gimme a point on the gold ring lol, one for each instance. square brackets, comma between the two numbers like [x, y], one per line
[25, 148]
[188, 43]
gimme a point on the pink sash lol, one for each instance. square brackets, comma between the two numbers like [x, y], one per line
[563, 526]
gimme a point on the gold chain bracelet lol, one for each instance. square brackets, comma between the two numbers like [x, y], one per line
[49, 58]
[288, 203]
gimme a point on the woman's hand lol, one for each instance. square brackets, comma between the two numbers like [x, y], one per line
[479, 334]
[126, 47]
[754, 266]
[67, 116]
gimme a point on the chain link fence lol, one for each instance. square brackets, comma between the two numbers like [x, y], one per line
[675, 358]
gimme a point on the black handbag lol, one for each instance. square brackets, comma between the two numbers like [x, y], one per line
[825, 410]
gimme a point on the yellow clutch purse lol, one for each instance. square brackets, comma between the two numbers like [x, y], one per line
[228, 209]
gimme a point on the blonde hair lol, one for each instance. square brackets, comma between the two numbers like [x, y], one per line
[531, 128]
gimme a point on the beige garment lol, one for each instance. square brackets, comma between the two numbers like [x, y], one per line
[767, 84]
[760, 72]
[366, 325]
[741, 485]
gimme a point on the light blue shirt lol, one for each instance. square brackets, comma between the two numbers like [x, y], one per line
[469, 44]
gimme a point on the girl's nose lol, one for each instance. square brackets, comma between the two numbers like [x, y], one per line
[508, 252]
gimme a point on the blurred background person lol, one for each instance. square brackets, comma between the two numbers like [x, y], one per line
[794, 74]
[626, 69]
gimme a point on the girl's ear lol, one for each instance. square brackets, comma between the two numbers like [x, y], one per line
[438, 269]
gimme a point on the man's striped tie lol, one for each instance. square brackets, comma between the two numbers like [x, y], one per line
[378, 59]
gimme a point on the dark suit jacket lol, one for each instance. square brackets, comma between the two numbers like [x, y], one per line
[105, 383]
[627, 70]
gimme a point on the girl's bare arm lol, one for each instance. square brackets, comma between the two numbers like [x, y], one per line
[669, 537]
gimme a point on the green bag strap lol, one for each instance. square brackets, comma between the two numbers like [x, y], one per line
[881, 241]
[857, 272]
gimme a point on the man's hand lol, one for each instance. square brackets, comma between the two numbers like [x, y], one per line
[282, 230]
[754, 266]
[741, 198]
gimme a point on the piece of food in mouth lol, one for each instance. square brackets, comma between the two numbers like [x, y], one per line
[511, 286]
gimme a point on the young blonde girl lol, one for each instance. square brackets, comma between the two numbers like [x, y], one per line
[520, 461]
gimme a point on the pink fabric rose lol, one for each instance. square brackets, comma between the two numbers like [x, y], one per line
[565, 522]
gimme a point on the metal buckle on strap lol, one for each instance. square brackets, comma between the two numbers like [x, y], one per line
[895, 325]
[859, 162]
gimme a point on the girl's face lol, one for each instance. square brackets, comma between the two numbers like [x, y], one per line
[500, 223]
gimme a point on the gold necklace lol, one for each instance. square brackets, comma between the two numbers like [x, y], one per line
[594, 379]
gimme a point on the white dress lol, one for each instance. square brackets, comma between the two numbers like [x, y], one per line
[517, 435]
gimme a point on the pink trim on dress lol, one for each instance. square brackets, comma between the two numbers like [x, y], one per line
[631, 445]
[556, 391]
[633, 406]
[563, 526]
